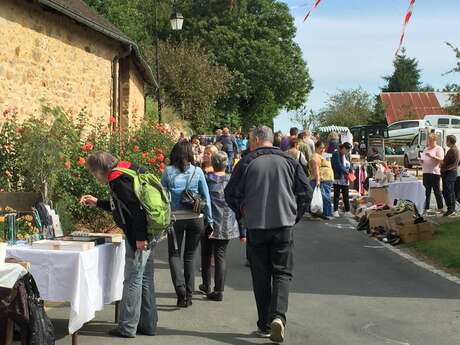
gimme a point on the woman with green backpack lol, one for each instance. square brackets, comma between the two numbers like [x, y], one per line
[138, 312]
[191, 207]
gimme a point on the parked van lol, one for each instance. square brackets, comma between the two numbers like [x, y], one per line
[443, 121]
[406, 129]
[413, 152]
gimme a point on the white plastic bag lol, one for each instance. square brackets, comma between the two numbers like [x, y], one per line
[316, 206]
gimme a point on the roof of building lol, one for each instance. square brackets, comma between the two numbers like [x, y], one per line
[79, 11]
[399, 105]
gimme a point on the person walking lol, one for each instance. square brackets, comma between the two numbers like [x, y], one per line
[341, 167]
[431, 158]
[197, 148]
[138, 311]
[333, 142]
[269, 193]
[229, 146]
[295, 152]
[225, 228]
[185, 182]
[306, 145]
[449, 175]
[293, 133]
[322, 176]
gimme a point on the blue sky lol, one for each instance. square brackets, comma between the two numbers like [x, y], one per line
[351, 43]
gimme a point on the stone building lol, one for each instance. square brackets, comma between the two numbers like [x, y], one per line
[62, 53]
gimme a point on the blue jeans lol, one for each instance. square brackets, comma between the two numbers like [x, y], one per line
[326, 187]
[138, 308]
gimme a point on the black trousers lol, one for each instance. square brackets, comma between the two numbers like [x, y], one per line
[183, 273]
[432, 181]
[345, 196]
[271, 260]
[457, 189]
[448, 188]
[218, 249]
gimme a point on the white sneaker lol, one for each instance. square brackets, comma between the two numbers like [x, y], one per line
[336, 214]
[277, 331]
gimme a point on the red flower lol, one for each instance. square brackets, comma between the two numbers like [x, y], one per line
[159, 151]
[87, 147]
[135, 149]
[112, 120]
[67, 165]
[162, 167]
[145, 155]
[152, 161]
[81, 161]
[161, 157]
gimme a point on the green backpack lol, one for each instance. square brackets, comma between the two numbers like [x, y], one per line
[153, 198]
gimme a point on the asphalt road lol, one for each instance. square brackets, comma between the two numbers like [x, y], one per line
[347, 290]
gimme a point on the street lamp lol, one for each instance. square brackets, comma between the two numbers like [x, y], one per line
[177, 20]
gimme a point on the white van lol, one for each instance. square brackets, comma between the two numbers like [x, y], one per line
[413, 151]
[443, 121]
[406, 129]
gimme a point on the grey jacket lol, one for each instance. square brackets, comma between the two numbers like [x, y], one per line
[268, 190]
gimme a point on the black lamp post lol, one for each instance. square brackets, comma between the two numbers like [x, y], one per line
[177, 20]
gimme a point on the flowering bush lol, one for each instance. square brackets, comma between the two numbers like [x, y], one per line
[48, 154]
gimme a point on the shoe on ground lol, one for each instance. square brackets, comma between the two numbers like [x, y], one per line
[336, 214]
[204, 289]
[216, 296]
[449, 214]
[277, 331]
[141, 332]
[262, 334]
[116, 333]
[188, 300]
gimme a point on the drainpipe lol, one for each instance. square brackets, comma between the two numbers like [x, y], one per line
[116, 83]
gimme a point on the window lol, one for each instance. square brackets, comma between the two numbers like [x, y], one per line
[423, 139]
[410, 124]
[456, 122]
[443, 122]
[394, 126]
[415, 140]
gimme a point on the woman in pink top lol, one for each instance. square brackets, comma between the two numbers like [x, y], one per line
[431, 159]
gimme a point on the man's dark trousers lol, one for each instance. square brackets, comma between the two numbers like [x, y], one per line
[271, 260]
[448, 188]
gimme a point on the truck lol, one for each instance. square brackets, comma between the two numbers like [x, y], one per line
[413, 151]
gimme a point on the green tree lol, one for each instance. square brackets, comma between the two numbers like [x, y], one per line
[454, 107]
[377, 116]
[305, 118]
[192, 82]
[347, 108]
[406, 75]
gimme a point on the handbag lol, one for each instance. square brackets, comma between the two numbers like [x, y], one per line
[191, 200]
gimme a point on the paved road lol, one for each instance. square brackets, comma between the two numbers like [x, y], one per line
[347, 290]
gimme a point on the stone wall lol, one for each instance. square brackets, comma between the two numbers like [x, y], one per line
[46, 57]
[136, 95]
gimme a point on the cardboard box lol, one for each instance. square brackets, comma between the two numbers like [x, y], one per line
[379, 195]
[379, 218]
[62, 245]
[410, 233]
[406, 217]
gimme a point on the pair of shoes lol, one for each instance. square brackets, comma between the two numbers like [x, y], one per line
[216, 296]
[116, 333]
[449, 214]
[336, 214]
[188, 300]
[204, 289]
[262, 333]
[277, 331]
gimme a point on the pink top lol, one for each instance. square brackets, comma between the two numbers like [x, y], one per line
[430, 165]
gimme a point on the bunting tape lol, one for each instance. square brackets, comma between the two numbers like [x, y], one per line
[406, 21]
[312, 9]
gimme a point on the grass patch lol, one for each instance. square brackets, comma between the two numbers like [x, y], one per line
[444, 248]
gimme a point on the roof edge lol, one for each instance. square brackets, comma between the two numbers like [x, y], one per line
[148, 73]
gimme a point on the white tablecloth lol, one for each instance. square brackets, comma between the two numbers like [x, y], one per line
[87, 280]
[10, 273]
[412, 190]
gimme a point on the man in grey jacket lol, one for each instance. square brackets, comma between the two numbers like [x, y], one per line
[269, 193]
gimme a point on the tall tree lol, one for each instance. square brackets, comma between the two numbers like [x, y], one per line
[454, 107]
[347, 108]
[406, 75]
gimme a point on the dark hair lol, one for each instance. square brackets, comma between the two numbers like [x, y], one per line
[302, 135]
[347, 146]
[294, 131]
[451, 139]
[293, 143]
[319, 143]
[195, 136]
[182, 155]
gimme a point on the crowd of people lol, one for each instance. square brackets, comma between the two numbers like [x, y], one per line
[253, 188]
